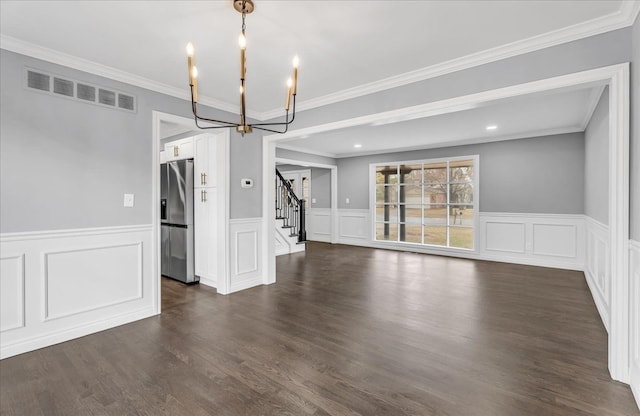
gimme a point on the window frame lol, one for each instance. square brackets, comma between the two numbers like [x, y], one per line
[373, 186]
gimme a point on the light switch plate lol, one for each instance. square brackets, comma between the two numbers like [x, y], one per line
[129, 200]
[347, 200]
[313, 200]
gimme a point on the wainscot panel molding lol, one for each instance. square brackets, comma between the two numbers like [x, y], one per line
[354, 227]
[548, 240]
[245, 253]
[634, 336]
[597, 268]
[319, 224]
[63, 284]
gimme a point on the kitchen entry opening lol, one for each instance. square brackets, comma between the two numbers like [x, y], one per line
[427, 202]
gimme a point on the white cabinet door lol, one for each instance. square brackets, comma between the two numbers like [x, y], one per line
[205, 234]
[179, 149]
[204, 162]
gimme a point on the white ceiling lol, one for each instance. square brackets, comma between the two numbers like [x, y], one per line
[342, 44]
[524, 116]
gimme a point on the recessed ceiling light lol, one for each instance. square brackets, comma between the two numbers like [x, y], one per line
[492, 127]
[357, 146]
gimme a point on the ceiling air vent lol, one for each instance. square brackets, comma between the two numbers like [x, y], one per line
[106, 97]
[78, 91]
[125, 102]
[63, 87]
[86, 92]
[38, 81]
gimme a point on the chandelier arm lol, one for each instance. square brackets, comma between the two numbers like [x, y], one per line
[210, 120]
[286, 127]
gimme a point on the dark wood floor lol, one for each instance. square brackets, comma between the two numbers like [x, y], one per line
[345, 331]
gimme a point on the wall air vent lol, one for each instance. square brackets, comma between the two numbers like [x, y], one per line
[38, 81]
[106, 97]
[86, 92]
[62, 87]
[125, 102]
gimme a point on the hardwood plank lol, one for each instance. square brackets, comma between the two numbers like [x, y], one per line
[346, 330]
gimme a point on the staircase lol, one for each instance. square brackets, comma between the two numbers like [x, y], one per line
[290, 219]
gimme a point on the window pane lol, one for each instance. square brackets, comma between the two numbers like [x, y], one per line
[411, 214]
[461, 193]
[387, 213]
[435, 215]
[387, 174]
[461, 171]
[461, 237]
[387, 232]
[461, 215]
[435, 235]
[435, 172]
[412, 233]
[411, 174]
[386, 194]
[435, 194]
[411, 194]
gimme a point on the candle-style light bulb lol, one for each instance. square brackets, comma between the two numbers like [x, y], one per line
[288, 101]
[190, 49]
[241, 90]
[194, 83]
[242, 41]
[190, 52]
[296, 62]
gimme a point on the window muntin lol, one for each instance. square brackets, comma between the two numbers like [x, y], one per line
[427, 202]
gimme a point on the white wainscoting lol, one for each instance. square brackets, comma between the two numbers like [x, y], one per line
[634, 335]
[60, 285]
[319, 224]
[245, 253]
[597, 268]
[549, 240]
[354, 227]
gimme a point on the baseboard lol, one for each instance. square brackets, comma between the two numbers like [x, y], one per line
[31, 344]
[246, 284]
[209, 282]
[603, 311]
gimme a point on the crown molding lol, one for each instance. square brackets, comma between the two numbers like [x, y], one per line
[624, 17]
[50, 55]
[303, 150]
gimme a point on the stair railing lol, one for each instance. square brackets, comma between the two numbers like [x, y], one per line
[290, 208]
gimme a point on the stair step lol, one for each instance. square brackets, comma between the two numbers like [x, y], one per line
[280, 218]
[287, 226]
[293, 235]
[301, 242]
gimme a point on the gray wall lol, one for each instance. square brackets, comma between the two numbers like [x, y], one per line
[246, 162]
[320, 184]
[66, 164]
[535, 175]
[635, 134]
[177, 137]
[596, 165]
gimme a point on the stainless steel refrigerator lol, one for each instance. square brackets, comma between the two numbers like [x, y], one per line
[176, 214]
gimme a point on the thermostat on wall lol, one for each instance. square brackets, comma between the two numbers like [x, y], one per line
[246, 183]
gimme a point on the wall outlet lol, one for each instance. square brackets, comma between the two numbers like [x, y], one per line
[129, 200]
[246, 183]
[346, 201]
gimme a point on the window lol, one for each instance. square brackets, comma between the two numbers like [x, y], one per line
[428, 202]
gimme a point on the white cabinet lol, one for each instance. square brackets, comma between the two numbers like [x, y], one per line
[204, 161]
[205, 202]
[179, 149]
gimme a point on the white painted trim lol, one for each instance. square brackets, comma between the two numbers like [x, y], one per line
[245, 220]
[613, 21]
[634, 365]
[594, 99]
[303, 150]
[597, 232]
[75, 232]
[617, 77]
[31, 344]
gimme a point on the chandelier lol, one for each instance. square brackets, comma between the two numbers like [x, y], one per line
[244, 7]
